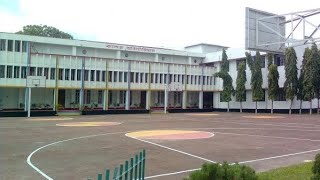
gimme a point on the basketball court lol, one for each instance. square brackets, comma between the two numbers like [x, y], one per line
[79, 147]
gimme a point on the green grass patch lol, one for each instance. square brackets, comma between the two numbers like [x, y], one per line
[296, 172]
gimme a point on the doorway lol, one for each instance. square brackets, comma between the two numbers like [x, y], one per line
[143, 98]
[207, 100]
[62, 97]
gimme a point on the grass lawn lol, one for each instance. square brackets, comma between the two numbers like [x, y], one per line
[295, 172]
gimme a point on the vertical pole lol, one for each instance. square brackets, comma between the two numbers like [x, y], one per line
[27, 74]
[184, 91]
[107, 88]
[165, 99]
[115, 173]
[201, 91]
[143, 163]
[107, 174]
[148, 99]
[136, 167]
[54, 100]
[82, 84]
[121, 172]
[29, 101]
[140, 165]
[56, 89]
[128, 90]
[131, 169]
[126, 170]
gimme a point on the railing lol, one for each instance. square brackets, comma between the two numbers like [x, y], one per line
[129, 171]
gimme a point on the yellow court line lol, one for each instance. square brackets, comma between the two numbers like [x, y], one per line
[88, 124]
[263, 117]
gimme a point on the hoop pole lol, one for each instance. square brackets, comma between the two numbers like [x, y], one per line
[29, 101]
[165, 99]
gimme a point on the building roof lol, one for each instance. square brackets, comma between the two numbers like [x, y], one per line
[206, 44]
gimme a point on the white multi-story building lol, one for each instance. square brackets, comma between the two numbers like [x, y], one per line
[106, 76]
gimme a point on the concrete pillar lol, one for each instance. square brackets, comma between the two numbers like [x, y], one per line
[105, 99]
[26, 99]
[81, 99]
[184, 99]
[127, 107]
[148, 99]
[156, 58]
[54, 99]
[201, 100]
[118, 54]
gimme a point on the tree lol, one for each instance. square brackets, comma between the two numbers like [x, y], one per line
[270, 59]
[309, 76]
[300, 91]
[291, 74]
[256, 78]
[273, 84]
[225, 62]
[228, 89]
[241, 81]
[45, 31]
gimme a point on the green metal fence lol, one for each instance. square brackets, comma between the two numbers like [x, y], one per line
[128, 171]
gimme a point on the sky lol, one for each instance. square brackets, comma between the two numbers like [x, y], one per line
[159, 23]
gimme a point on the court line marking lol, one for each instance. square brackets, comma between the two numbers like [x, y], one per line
[260, 129]
[57, 142]
[243, 162]
[172, 149]
[277, 137]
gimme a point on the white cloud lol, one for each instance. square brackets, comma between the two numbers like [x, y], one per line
[169, 23]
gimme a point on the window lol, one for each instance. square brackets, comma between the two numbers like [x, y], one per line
[46, 72]
[279, 59]
[204, 80]
[67, 74]
[137, 77]
[9, 71]
[86, 75]
[52, 73]
[165, 78]
[161, 80]
[99, 97]
[17, 45]
[263, 61]
[32, 71]
[264, 96]
[122, 97]
[10, 45]
[156, 78]
[161, 97]
[88, 96]
[77, 100]
[98, 76]
[188, 79]
[131, 77]
[141, 77]
[39, 71]
[191, 79]
[103, 76]
[170, 78]
[120, 76]
[60, 74]
[2, 44]
[152, 77]
[24, 46]
[199, 80]
[244, 98]
[78, 74]
[281, 96]
[2, 71]
[182, 78]
[125, 77]
[73, 74]
[16, 72]
[115, 76]
[146, 77]
[92, 73]
[110, 76]
[23, 72]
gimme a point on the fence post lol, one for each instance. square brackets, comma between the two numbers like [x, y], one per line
[136, 167]
[99, 176]
[107, 174]
[140, 165]
[126, 169]
[115, 173]
[131, 168]
[143, 163]
[121, 172]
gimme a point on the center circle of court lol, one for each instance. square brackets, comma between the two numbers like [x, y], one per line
[170, 134]
[88, 124]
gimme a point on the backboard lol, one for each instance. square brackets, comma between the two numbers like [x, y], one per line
[273, 33]
[36, 81]
[264, 31]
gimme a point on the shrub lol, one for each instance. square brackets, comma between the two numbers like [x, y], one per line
[316, 168]
[215, 171]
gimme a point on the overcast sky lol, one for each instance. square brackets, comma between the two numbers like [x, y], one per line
[167, 23]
